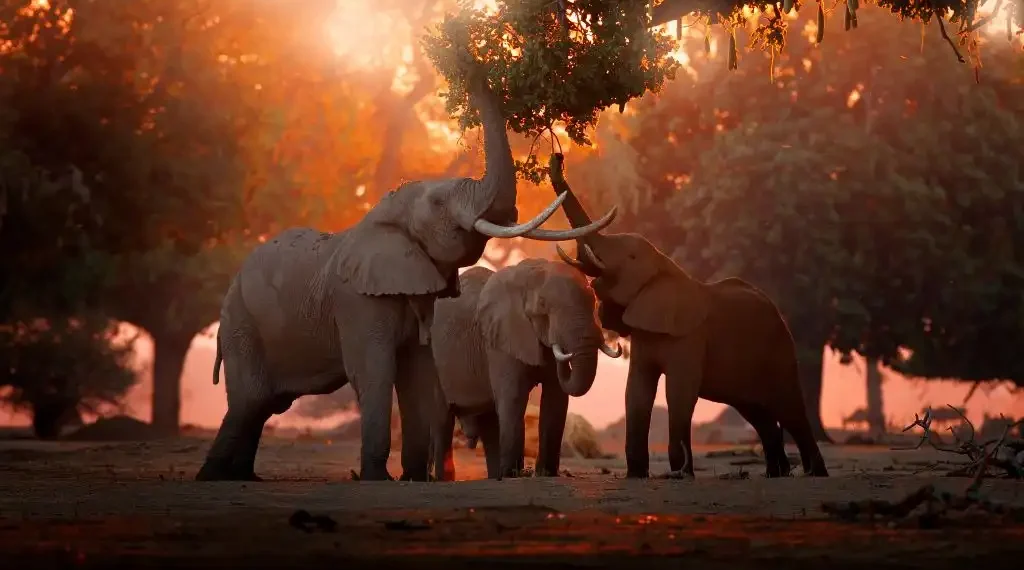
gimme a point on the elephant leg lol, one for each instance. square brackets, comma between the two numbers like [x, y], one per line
[442, 432]
[797, 424]
[232, 455]
[641, 389]
[374, 383]
[554, 406]
[770, 433]
[682, 387]
[511, 388]
[793, 418]
[416, 388]
[490, 436]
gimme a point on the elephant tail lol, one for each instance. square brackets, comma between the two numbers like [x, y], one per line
[217, 361]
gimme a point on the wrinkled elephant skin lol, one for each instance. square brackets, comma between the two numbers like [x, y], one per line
[310, 311]
[724, 341]
[526, 325]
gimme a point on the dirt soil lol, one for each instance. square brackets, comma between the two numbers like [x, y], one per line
[135, 505]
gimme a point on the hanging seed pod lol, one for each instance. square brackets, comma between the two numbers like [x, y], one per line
[847, 21]
[707, 45]
[787, 6]
[733, 54]
[851, 8]
[771, 67]
[679, 29]
[821, 24]
[1009, 29]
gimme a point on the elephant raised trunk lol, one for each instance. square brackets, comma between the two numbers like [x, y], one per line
[586, 260]
[491, 201]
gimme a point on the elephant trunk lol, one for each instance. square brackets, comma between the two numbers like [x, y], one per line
[576, 375]
[494, 198]
[576, 215]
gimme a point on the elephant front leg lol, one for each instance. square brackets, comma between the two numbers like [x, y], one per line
[417, 388]
[682, 388]
[374, 383]
[641, 389]
[511, 394]
[554, 406]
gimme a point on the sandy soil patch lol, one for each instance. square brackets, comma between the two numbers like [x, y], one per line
[101, 504]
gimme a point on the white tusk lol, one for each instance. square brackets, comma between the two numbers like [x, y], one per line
[496, 231]
[559, 355]
[575, 233]
[592, 257]
[612, 352]
[567, 258]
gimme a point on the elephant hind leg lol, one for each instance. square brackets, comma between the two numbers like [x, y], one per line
[770, 433]
[793, 418]
[232, 456]
[251, 402]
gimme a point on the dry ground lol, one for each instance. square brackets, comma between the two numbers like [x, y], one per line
[135, 505]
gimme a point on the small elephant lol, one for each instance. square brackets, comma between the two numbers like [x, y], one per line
[724, 341]
[528, 324]
[310, 311]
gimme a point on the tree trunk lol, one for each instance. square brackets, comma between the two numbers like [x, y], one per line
[811, 379]
[169, 350]
[876, 414]
[50, 416]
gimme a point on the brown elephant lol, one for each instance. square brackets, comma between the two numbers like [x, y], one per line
[310, 311]
[724, 341]
[526, 325]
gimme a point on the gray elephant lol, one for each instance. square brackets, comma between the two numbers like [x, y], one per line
[526, 325]
[310, 311]
[724, 341]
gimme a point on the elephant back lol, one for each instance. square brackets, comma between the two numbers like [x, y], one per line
[457, 343]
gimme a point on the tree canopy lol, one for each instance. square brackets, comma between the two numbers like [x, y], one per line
[872, 189]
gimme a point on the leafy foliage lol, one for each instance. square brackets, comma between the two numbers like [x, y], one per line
[771, 31]
[550, 66]
[872, 200]
[54, 369]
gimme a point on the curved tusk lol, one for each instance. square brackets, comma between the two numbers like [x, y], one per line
[592, 257]
[559, 355]
[496, 231]
[612, 352]
[575, 233]
[567, 258]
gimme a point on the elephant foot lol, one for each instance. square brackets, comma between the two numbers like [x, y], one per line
[637, 474]
[419, 477]
[680, 474]
[220, 470]
[375, 475]
[818, 471]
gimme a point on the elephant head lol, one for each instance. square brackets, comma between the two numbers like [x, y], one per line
[414, 240]
[634, 280]
[540, 305]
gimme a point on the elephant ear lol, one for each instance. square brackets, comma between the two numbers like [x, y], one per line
[501, 314]
[382, 260]
[668, 305]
